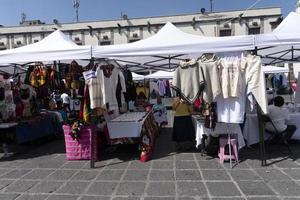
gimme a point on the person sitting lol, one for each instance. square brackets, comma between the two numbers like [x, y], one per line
[160, 112]
[279, 117]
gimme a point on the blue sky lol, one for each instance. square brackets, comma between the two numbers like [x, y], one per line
[62, 10]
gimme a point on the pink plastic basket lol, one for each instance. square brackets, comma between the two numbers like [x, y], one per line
[80, 149]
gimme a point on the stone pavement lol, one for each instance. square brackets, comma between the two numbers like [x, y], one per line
[43, 173]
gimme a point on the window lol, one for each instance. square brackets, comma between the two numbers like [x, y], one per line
[225, 32]
[19, 42]
[103, 43]
[133, 40]
[254, 31]
[35, 41]
[1, 43]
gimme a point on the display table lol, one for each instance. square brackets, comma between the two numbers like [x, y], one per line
[220, 129]
[29, 130]
[134, 127]
[251, 131]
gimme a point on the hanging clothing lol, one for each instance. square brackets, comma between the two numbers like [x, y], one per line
[108, 79]
[231, 70]
[94, 88]
[188, 80]
[161, 88]
[209, 67]
[153, 89]
[255, 81]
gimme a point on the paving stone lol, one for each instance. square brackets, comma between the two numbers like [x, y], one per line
[196, 189]
[126, 198]
[38, 174]
[15, 174]
[161, 189]
[272, 174]
[136, 165]
[222, 189]
[293, 173]
[291, 198]
[263, 198]
[286, 188]
[117, 165]
[287, 164]
[136, 175]
[159, 198]
[210, 164]
[74, 164]
[215, 175]
[162, 175]
[231, 198]
[186, 165]
[257, 188]
[20, 186]
[256, 163]
[243, 175]
[4, 183]
[184, 156]
[61, 175]
[189, 198]
[4, 171]
[46, 187]
[32, 197]
[85, 175]
[102, 188]
[73, 187]
[8, 196]
[240, 165]
[113, 175]
[94, 198]
[63, 197]
[166, 164]
[188, 175]
[131, 188]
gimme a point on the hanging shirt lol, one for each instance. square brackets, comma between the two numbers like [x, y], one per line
[161, 88]
[255, 81]
[209, 67]
[231, 76]
[188, 80]
[181, 108]
[108, 84]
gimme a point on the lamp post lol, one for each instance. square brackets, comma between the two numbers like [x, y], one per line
[211, 5]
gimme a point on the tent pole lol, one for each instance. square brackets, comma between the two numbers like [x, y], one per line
[92, 160]
[291, 99]
[261, 130]
[169, 62]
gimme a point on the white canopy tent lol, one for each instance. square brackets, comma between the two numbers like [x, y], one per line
[56, 46]
[160, 75]
[137, 77]
[273, 69]
[170, 45]
[283, 44]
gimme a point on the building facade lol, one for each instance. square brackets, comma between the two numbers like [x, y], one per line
[127, 30]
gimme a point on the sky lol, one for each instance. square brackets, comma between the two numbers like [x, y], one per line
[91, 10]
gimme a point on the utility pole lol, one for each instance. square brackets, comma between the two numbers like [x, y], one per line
[211, 5]
[76, 4]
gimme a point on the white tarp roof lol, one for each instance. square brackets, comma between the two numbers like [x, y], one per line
[171, 41]
[273, 69]
[161, 75]
[137, 77]
[285, 37]
[56, 46]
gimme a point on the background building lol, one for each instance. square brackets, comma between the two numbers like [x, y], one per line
[127, 30]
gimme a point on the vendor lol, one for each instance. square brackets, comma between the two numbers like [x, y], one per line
[160, 112]
[183, 129]
[279, 116]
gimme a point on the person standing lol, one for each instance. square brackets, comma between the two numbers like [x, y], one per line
[183, 129]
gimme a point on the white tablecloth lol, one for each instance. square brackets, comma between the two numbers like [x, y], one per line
[221, 128]
[126, 125]
[251, 130]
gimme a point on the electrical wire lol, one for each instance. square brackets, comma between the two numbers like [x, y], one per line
[242, 13]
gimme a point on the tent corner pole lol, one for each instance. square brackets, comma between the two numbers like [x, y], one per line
[261, 129]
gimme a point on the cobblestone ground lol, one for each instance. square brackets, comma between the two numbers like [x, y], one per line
[43, 173]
